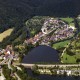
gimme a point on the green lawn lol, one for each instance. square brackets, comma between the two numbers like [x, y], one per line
[68, 59]
[72, 24]
[61, 44]
[69, 20]
[33, 32]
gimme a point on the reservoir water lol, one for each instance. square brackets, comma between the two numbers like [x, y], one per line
[42, 54]
[48, 55]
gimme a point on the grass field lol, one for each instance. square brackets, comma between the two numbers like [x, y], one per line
[69, 59]
[33, 32]
[69, 20]
[5, 34]
[61, 44]
[66, 58]
[72, 24]
[74, 47]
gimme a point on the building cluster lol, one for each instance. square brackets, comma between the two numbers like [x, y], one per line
[35, 39]
[59, 29]
[59, 34]
[5, 53]
[51, 24]
[60, 72]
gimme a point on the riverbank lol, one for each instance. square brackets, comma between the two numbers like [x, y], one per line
[51, 77]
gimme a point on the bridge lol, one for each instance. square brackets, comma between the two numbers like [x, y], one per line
[48, 65]
[43, 65]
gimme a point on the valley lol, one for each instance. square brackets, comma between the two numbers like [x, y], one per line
[39, 40]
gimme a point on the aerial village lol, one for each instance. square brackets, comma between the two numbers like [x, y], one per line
[6, 53]
[52, 30]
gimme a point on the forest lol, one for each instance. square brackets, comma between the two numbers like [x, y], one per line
[14, 13]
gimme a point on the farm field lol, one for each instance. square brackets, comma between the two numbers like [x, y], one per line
[5, 34]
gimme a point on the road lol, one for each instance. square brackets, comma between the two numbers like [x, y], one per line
[18, 78]
[9, 66]
[9, 62]
[5, 60]
[65, 49]
[49, 65]
[10, 58]
[2, 77]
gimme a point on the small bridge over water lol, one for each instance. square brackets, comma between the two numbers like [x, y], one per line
[48, 65]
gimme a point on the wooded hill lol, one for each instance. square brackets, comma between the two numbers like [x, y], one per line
[14, 13]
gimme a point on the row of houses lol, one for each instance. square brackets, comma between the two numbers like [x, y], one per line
[59, 72]
[59, 35]
[35, 39]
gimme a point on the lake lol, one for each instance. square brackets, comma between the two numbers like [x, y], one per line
[42, 54]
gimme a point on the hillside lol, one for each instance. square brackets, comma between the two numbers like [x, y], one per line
[14, 12]
[17, 12]
[60, 8]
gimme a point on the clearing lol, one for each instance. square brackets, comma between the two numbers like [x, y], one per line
[5, 34]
